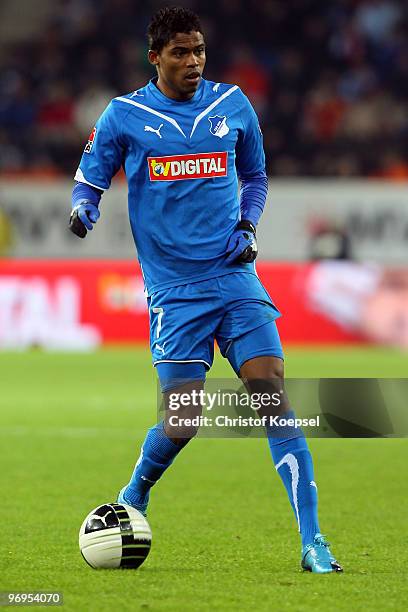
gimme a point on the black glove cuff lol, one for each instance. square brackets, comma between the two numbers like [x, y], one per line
[246, 225]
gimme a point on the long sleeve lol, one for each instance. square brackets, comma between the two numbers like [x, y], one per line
[253, 197]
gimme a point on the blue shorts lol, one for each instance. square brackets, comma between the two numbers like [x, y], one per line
[234, 309]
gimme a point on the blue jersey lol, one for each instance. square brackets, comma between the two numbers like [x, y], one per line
[182, 161]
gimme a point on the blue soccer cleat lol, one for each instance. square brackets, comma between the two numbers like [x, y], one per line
[317, 557]
[142, 508]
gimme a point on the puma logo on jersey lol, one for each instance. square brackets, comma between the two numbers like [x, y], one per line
[149, 128]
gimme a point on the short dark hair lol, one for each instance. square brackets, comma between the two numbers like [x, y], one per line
[168, 22]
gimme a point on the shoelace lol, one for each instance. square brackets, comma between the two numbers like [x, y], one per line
[320, 541]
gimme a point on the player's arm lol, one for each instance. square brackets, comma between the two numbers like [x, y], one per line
[100, 161]
[250, 163]
[85, 211]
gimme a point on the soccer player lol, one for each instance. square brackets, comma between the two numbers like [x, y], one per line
[183, 142]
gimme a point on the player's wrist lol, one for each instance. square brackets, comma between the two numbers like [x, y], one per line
[244, 224]
[84, 195]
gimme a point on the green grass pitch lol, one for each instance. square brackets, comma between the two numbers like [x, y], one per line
[224, 537]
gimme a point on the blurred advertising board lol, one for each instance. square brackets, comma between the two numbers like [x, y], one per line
[373, 214]
[81, 304]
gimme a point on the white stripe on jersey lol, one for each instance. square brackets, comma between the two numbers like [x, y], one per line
[173, 121]
[153, 112]
[79, 176]
[213, 105]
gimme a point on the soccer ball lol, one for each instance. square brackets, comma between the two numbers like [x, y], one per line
[115, 536]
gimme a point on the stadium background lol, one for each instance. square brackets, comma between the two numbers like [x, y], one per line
[329, 82]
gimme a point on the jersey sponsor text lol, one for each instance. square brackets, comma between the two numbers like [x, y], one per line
[190, 166]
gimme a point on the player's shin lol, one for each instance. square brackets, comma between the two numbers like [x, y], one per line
[294, 464]
[157, 454]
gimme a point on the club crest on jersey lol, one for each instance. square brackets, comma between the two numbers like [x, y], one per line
[218, 126]
[192, 166]
[91, 139]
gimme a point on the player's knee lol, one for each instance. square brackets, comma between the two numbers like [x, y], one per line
[263, 368]
[277, 369]
[180, 434]
[183, 422]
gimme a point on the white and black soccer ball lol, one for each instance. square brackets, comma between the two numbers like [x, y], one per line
[115, 536]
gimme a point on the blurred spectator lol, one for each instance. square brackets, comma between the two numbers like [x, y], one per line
[324, 110]
[376, 19]
[90, 104]
[17, 107]
[56, 111]
[328, 79]
[249, 74]
[373, 117]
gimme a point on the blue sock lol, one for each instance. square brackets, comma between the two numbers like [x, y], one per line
[294, 464]
[157, 454]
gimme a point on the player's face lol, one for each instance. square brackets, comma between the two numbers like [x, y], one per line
[180, 65]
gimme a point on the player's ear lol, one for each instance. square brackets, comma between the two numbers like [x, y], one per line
[153, 57]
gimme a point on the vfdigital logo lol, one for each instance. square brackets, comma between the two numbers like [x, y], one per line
[191, 166]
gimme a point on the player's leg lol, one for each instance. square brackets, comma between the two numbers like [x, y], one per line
[248, 337]
[258, 359]
[167, 438]
[182, 325]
